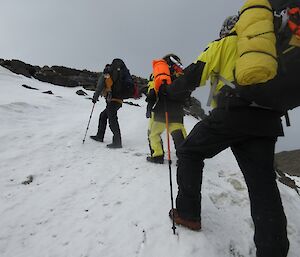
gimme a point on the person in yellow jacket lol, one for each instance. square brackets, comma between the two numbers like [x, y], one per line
[156, 113]
[251, 133]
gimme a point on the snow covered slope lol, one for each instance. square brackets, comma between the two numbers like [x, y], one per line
[62, 198]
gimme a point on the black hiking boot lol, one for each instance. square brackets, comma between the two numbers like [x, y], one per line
[114, 145]
[190, 224]
[156, 159]
[97, 138]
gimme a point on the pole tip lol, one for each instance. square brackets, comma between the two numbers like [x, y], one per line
[174, 228]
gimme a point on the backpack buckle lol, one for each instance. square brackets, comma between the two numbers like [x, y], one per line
[283, 16]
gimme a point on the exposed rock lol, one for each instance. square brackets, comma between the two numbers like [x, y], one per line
[142, 85]
[48, 92]
[19, 67]
[193, 107]
[67, 77]
[63, 76]
[288, 162]
[131, 103]
[81, 92]
[29, 87]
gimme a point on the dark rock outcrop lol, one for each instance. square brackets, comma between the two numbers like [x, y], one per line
[19, 67]
[288, 163]
[193, 107]
[49, 92]
[29, 87]
[63, 76]
[67, 77]
[81, 92]
[131, 103]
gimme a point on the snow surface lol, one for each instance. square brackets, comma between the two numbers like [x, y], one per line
[89, 201]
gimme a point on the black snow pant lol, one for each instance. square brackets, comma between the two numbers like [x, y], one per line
[110, 114]
[255, 156]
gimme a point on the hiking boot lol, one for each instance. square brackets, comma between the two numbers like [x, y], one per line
[97, 138]
[156, 159]
[114, 146]
[190, 224]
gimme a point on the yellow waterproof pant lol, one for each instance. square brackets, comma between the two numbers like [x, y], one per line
[155, 130]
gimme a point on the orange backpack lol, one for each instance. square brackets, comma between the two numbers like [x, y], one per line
[161, 73]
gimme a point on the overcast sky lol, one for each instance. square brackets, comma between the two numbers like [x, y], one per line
[87, 34]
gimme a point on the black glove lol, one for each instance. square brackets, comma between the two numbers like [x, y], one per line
[149, 109]
[94, 99]
[108, 97]
[193, 74]
[163, 92]
[148, 114]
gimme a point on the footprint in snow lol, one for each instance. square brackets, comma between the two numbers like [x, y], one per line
[237, 185]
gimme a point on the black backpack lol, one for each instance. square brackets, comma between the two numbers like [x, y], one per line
[123, 84]
[283, 92]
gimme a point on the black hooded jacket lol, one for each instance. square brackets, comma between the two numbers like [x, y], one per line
[161, 104]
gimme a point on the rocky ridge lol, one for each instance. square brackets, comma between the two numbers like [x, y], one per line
[60, 75]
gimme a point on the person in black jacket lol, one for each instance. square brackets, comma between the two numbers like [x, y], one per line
[156, 113]
[250, 131]
[105, 88]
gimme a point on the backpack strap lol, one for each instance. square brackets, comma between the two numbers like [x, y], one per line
[256, 6]
[233, 86]
[283, 18]
[226, 82]
[212, 90]
[213, 87]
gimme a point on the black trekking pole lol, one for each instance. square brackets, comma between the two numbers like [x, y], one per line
[88, 124]
[169, 162]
